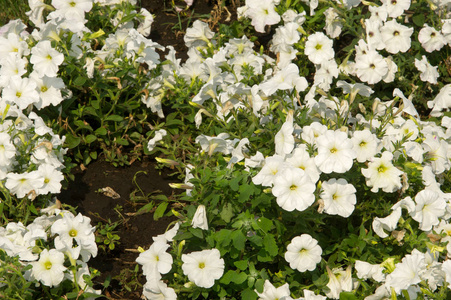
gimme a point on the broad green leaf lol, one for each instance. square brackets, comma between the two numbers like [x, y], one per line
[227, 212]
[270, 245]
[79, 81]
[264, 224]
[347, 296]
[248, 294]
[239, 240]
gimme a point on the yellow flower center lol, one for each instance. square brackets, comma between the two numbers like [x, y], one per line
[318, 46]
[293, 187]
[73, 233]
[18, 94]
[48, 265]
[333, 150]
[201, 265]
[362, 143]
[381, 169]
[44, 89]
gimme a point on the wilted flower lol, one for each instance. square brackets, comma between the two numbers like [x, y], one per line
[200, 218]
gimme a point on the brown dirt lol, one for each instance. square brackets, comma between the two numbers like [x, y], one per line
[134, 231]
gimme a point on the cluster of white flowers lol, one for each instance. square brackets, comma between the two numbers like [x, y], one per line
[31, 155]
[74, 242]
[369, 144]
[201, 267]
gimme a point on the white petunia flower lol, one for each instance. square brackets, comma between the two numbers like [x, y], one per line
[49, 269]
[396, 37]
[300, 158]
[431, 39]
[262, 13]
[396, 8]
[388, 223]
[407, 272]
[159, 134]
[430, 206]
[339, 281]
[366, 144]
[24, 184]
[338, 197]
[155, 258]
[293, 189]
[270, 292]
[381, 174]
[203, 267]
[303, 253]
[21, 92]
[46, 59]
[318, 48]
[371, 67]
[273, 165]
[429, 73]
[366, 270]
[158, 290]
[335, 153]
[284, 139]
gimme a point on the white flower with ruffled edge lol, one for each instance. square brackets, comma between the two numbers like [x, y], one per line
[203, 267]
[303, 253]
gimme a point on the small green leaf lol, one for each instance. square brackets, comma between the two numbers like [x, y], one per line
[90, 138]
[101, 131]
[197, 232]
[114, 118]
[72, 141]
[80, 81]
[239, 278]
[248, 294]
[347, 296]
[241, 264]
[159, 212]
[265, 224]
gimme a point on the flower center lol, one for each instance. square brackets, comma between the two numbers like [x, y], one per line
[373, 66]
[18, 94]
[293, 187]
[362, 143]
[381, 169]
[334, 197]
[48, 265]
[157, 258]
[44, 89]
[73, 233]
[396, 33]
[393, 2]
[72, 4]
[49, 57]
[303, 251]
[46, 180]
[333, 150]
[432, 34]
[201, 265]
[318, 46]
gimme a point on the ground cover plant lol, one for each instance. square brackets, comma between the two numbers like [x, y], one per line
[314, 166]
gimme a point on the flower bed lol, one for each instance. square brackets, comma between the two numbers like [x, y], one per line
[317, 168]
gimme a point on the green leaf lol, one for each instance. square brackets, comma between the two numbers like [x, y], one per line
[239, 240]
[347, 296]
[245, 192]
[239, 278]
[72, 141]
[265, 224]
[101, 131]
[114, 118]
[227, 277]
[234, 183]
[418, 20]
[227, 212]
[248, 294]
[90, 138]
[270, 245]
[241, 264]
[159, 212]
[95, 104]
[197, 232]
[122, 141]
[80, 81]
